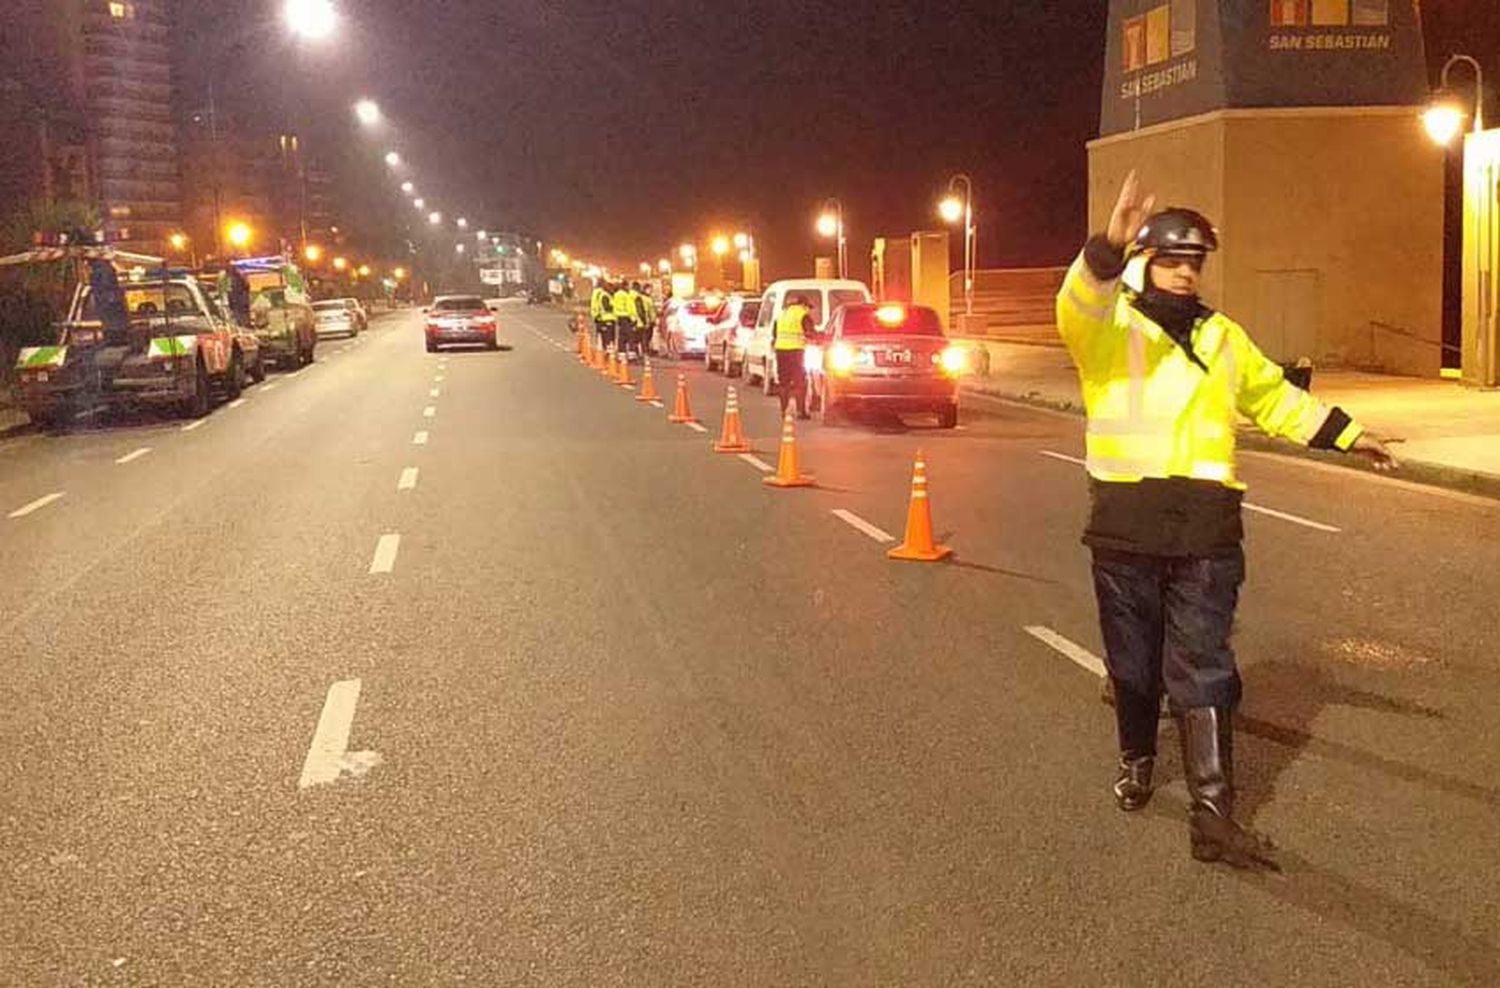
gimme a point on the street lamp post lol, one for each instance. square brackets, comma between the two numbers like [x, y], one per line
[831, 224]
[1444, 120]
[953, 209]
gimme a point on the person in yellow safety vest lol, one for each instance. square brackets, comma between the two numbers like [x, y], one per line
[1163, 379]
[623, 304]
[645, 313]
[789, 334]
[602, 310]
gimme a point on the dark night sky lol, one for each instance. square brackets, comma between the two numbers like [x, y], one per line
[620, 129]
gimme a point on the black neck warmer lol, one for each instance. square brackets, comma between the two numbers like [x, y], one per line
[1177, 314]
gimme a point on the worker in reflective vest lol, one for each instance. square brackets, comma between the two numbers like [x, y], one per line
[789, 335]
[645, 313]
[601, 307]
[623, 304]
[1164, 378]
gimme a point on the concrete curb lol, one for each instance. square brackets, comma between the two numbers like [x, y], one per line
[1414, 472]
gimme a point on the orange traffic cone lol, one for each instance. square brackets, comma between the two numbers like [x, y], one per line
[622, 375]
[599, 352]
[732, 437]
[648, 385]
[787, 474]
[608, 370]
[585, 351]
[682, 414]
[919, 545]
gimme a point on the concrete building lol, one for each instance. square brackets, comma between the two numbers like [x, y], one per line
[1294, 126]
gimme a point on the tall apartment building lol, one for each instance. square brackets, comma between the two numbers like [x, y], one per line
[127, 88]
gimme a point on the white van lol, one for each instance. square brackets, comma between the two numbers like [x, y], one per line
[826, 295]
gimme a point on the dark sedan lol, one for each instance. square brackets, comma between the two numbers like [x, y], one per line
[892, 357]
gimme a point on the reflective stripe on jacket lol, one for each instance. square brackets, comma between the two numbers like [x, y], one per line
[1153, 412]
[790, 333]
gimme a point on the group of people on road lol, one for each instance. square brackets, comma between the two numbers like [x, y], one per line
[624, 318]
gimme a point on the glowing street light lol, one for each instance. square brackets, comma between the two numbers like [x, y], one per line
[313, 253]
[420, 203]
[340, 263]
[463, 224]
[742, 241]
[408, 188]
[646, 268]
[1444, 119]
[435, 218]
[399, 274]
[831, 224]
[720, 246]
[313, 20]
[1445, 113]
[240, 235]
[368, 112]
[480, 235]
[179, 242]
[459, 248]
[364, 271]
[393, 159]
[955, 207]
[745, 256]
[664, 266]
[689, 255]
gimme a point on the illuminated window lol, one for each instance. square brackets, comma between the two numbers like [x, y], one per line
[121, 11]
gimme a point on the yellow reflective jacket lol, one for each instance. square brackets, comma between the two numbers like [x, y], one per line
[645, 309]
[1153, 412]
[791, 333]
[600, 308]
[624, 304]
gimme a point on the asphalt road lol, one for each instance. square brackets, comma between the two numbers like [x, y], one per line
[559, 696]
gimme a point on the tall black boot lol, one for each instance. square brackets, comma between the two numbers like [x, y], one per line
[1208, 761]
[1135, 720]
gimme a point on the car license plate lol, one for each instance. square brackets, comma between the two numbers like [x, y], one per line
[898, 357]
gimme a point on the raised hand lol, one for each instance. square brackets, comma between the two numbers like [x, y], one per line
[1131, 210]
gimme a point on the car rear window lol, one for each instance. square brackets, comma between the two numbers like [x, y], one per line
[329, 306]
[845, 296]
[462, 304]
[890, 320]
[748, 313]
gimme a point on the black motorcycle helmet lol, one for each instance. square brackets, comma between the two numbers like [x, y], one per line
[1176, 231]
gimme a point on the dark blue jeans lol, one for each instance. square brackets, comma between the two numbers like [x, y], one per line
[1167, 621]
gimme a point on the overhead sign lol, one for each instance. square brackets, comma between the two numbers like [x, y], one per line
[1168, 59]
[492, 276]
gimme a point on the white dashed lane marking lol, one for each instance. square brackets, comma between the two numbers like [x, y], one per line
[1071, 649]
[132, 457]
[429, 411]
[855, 521]
[696, 426]
[408, 479]
[196, 423]
[420, 439]
[757, 462]
[36, 505]
[385, 553]
[328, 755]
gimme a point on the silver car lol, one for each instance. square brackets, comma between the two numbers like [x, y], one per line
[337, 317]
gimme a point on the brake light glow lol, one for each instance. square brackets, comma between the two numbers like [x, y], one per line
[841, 359]
[890, 315]
[953, 360]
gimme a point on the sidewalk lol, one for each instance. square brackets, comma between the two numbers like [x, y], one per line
[1452, 434]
